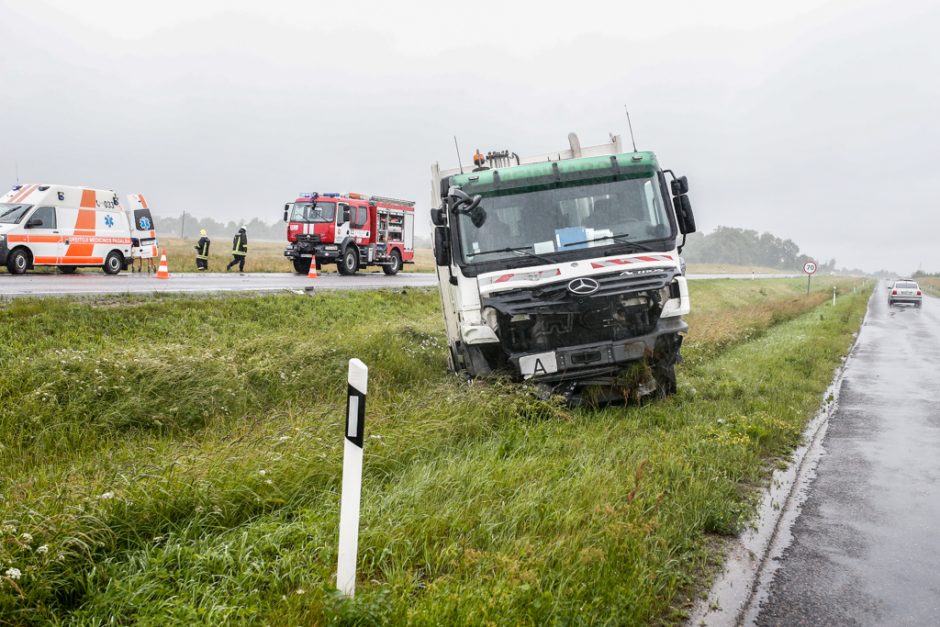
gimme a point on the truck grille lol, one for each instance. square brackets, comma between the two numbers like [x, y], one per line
[627, 304]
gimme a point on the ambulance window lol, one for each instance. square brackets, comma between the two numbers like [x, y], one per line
[46, 215]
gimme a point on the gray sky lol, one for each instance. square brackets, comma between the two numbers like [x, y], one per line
[813, 120]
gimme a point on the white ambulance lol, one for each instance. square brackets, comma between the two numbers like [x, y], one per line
[71, 227]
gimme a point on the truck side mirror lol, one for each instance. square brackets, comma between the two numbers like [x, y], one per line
[437, 217]
[680, 186]
[684, 214]
[286, 210]
[442, 246]
[478, 216]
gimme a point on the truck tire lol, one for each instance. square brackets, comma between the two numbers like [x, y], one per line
[113, 262]
[67, 269]
[18, 261]
[302, 265]
[394, 265]
[348, 264]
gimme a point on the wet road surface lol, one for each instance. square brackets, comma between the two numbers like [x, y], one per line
[866, 545]
[90, 283]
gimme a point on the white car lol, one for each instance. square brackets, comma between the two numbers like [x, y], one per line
[905, 291]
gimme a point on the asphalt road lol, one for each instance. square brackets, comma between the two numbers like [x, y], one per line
[92, 283]
[865, 546]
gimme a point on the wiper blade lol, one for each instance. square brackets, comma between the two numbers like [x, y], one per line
[521, 250]
[621, 239]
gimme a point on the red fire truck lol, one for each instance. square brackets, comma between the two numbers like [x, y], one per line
[351, 230]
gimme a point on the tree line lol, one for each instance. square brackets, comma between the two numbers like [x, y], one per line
[746, 247]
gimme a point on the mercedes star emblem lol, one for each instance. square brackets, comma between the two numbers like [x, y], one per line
[583, 287]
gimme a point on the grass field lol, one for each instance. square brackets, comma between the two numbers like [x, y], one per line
[930, 284]
[177, 461]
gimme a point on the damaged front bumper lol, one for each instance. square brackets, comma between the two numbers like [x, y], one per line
[588, 361]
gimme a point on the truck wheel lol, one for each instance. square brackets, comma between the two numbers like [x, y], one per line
[113, 262]
[302, 265]
[349, 262]
[18, 261]
[394, 265]
[67, 269]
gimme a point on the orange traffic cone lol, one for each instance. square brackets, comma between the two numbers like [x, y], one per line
[313, 270]
[163, 272]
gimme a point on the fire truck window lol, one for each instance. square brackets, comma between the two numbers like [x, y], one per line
[46, 215]
[342, 216]
[360, 217]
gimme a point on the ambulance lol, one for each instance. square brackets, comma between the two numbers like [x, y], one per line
[72, 227]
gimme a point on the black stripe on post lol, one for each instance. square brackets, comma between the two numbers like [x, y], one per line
[355, 416]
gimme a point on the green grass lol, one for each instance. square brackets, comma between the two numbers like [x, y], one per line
[180, 461]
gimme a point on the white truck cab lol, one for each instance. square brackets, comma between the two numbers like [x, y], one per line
[563, 268]
[68, 227]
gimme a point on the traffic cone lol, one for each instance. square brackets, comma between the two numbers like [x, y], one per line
[313, 270]
[163, 272]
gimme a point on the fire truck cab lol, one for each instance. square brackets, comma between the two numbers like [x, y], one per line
[352, 230]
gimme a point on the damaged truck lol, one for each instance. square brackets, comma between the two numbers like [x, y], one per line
[563, 269]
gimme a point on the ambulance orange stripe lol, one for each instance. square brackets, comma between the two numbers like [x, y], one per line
[39, 239]
[46, 260]
[70, 261]
[85, 224]
[88, 199]
[143, 202]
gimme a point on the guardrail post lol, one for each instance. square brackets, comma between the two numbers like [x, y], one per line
[358, 380]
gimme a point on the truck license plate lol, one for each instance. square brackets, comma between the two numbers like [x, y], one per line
[538, 364]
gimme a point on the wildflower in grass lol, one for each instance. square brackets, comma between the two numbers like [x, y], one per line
[268, 482]
[13, 573]
[7, 529]
[25, 537]
[107, 496]
[42, 549]
[262, 472]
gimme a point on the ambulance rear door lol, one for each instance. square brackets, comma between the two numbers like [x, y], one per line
[142, 227]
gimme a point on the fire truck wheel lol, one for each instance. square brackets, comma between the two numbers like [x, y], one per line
[18, 261]
[349, 262]
[113, 262]
[394, 265]
[67, 269]
[301, 265]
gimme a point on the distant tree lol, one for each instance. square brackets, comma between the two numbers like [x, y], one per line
[744, 247]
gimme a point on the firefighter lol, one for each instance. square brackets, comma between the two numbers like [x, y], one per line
[239, 250]
[202, 251]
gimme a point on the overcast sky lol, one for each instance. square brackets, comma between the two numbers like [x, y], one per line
[813, 120]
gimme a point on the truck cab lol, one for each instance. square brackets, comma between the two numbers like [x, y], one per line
[563, 269]
[352, 230]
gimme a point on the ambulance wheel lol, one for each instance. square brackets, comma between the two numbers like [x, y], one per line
[113, 262]
[18, 261]
[394, 265]
[349, 262]
[301, 265]
[67, 269]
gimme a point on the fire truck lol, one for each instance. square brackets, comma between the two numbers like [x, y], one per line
[564, 269]
[351, 230]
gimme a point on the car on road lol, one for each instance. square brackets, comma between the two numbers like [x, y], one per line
[905, 291]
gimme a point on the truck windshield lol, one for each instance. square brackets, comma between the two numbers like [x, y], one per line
[564, 219]
[12, 214]
[313, 212]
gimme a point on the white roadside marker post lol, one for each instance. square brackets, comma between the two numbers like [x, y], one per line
[352, 478]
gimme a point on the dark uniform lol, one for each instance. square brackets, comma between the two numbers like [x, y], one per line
[202, 253]
[239, 250]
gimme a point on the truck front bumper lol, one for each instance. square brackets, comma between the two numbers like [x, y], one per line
[323, 252]
[587, 361]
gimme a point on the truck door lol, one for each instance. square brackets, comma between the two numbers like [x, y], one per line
[43, 237]
[359, 224]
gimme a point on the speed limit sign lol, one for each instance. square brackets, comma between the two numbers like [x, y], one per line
[809, 267]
